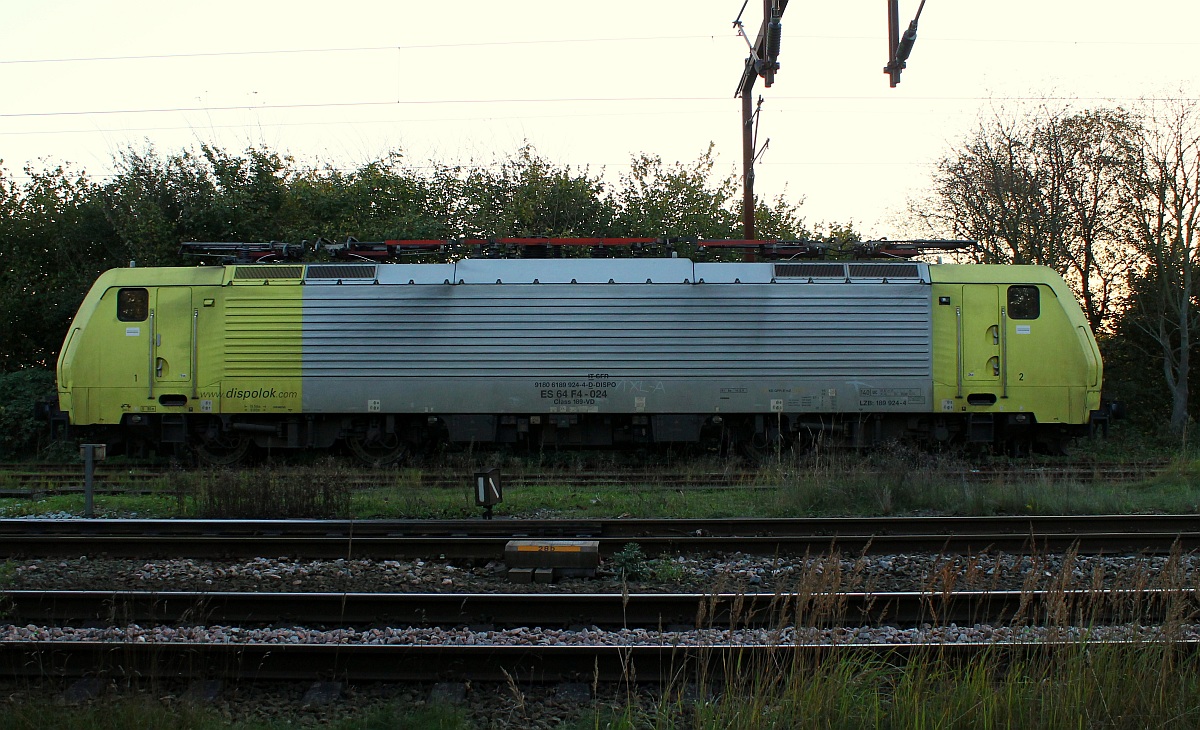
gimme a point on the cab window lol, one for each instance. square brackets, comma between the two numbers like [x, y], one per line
[133, 305]
[1024, 302]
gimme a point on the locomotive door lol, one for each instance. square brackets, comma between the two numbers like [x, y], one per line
[172, 333]
[981, 335]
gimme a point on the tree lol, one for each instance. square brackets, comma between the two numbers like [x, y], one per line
[679, 200]
[60, 230]
[381, 199]
[1088, 154]
[153, 203]
[781, 219]
[1161, 200]
[1043, 189]
[56, 240]
[528, 196]
[994, 190]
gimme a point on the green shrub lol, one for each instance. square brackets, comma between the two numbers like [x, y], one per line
[321, 490]
[630, 563]
[21, 432]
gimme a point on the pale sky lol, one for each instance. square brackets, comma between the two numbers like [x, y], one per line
[587, 84]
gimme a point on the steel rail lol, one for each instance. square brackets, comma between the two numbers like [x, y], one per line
[615, 528]
[487, 548]
[605, 610]
[30, 479]
[523, 664]
[485, 539]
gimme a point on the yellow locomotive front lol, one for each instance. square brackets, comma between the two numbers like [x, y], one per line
[1012, 353]
[143, 349]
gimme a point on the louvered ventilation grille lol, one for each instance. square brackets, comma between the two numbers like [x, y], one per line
[268, 272]
[342, 271]
[807, 270]
[884, 271]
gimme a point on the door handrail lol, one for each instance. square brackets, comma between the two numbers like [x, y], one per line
[958, 318]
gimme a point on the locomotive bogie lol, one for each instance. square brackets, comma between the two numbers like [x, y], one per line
[579, 352]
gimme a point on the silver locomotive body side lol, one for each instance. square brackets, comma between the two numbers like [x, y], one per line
[544, 337]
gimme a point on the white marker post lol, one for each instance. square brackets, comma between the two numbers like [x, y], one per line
[488, 491]
[91, 453]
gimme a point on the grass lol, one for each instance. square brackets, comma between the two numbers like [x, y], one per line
[1141, 685]
[142, 712]
[892, 481]
[1076, 683]
[853, 490]
[1079, 684]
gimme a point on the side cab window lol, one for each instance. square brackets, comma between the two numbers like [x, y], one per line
[1024, 302]
[133, 305]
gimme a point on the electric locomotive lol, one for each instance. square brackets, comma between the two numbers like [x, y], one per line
[389, 357]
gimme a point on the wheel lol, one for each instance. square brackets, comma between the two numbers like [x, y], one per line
[1052, 446]
[758, 449]
[378, 449]
[754, 450]
[223, 449]
[1018, 448]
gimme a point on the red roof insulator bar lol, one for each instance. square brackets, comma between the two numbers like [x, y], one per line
[906, 253]
[562, 241]
[419, 242]
[756, 243]
[427, 243]
[770, 248]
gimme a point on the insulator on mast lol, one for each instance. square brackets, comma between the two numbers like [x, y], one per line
[774, 35]
[906, 42]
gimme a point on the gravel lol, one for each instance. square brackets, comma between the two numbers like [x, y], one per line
[593, 636]
[736, 572]
[540, 706]
[733, 572]
[483, 704]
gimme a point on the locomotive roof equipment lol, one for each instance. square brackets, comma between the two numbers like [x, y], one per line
[559, 247]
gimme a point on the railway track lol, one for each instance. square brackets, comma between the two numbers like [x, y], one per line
[26, 480]
[351, 657]
[520, 664]
[485, 539]
[714, 651]
[468, 653]
[603, 610]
